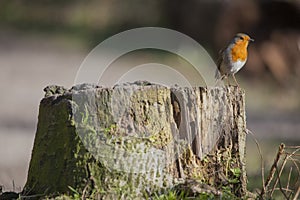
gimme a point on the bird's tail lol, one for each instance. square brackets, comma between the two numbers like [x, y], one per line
[218, 74]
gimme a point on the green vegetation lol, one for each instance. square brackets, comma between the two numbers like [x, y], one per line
[182, 194]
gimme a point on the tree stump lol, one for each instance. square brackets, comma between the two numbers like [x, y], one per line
[135, 140]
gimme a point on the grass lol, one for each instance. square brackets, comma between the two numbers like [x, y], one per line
[280, 181]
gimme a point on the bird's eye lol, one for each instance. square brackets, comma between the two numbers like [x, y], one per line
[241, 38]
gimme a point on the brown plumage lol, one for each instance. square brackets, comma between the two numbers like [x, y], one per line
[233, 57]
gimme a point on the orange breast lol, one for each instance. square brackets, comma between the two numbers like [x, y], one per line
[239, 51]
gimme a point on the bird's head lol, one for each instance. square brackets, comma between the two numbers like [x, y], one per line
[242, 39]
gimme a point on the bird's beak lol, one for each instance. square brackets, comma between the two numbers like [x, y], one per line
[251, 40]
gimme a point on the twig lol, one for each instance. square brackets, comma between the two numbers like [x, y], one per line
[85, 190]
[297, 194]
[288, 182]
[294, 161]
[290, 157]
[280, 172]
[292, 147]
[89, 181]
[280, 186]
[261, 159]
[294, 153]
[287, 153]
[272, 171]
[289, 178]
[277, 188]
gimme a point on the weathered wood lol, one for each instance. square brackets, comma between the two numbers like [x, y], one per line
[136, 139]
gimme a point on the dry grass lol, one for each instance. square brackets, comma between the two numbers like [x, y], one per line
[276, 184]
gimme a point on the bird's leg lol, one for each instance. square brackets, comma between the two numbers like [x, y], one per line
[235, 80]
[227, 80]
[219, 79]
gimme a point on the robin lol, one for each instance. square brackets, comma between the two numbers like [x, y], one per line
[233, 57]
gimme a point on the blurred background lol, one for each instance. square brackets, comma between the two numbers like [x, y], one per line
[44, 42]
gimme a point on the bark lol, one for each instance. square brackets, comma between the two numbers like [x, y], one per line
[134, 140]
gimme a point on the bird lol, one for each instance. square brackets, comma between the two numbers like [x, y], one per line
[233, 57]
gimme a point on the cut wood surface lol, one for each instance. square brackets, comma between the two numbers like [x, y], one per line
[137, 139]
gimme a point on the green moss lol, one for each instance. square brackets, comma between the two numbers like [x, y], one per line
[60, 152]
